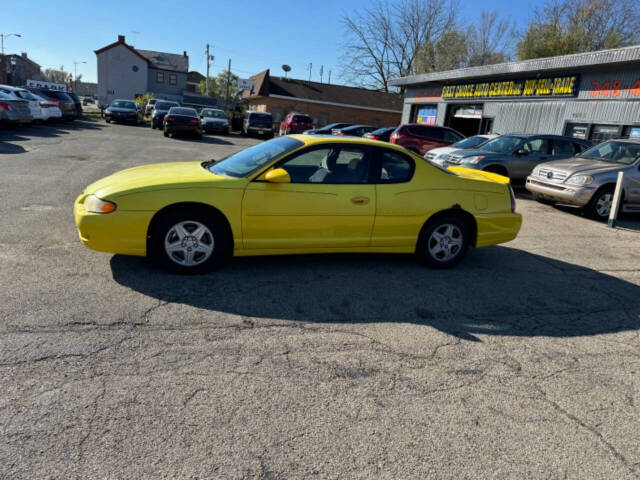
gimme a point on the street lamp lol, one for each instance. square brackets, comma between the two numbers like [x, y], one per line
[75, 74]
[6, 35]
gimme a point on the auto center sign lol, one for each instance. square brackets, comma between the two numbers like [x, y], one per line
[61, 87]
[525, 88]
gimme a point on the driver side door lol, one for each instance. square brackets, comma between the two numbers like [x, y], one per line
[530, 154]
[329, 202]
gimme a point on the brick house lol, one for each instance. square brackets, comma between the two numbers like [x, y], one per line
[324, 103]
[17, 69]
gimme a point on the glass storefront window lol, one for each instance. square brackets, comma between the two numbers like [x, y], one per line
[600, 133]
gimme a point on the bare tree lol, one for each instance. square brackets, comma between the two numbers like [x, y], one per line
[384, 41]
[490, 41]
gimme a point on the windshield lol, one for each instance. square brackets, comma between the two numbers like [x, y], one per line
[504, 144]
[165, 105]
[246, 161]
[260, 119]
[615, 152]
[123, 104]
[470, 142]
[213, 113]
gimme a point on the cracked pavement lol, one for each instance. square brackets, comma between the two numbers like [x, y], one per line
[523, 362]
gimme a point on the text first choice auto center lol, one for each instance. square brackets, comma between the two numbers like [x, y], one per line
[594, 95]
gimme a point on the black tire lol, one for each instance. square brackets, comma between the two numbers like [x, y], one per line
[108, 120]
[602, 197]
[153, 126]
[164, 230]
[456, 241]
[166, 133]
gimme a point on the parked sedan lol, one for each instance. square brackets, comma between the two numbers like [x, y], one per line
[439, 155]
[182, 120]
[297, 194]
[14, 111]
[514, 156]
[63, 101]
[123, 111]
[326, 130]
[381, 134]
[41, 109]
[589, 179]
[214, 120]
[421, 138]
[354, 130]
[77, 103]
[159, 111]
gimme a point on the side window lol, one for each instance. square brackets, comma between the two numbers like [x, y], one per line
[562, 147]
[394, 167]
[332, 164]
[160, 77]
[578, 147]
[538, 146]
[173, 79]
[451, 137]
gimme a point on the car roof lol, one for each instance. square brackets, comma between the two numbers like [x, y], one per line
[313, 139]
[356, 126]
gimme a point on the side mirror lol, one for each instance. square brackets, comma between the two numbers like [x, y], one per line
[521, 152]
[277, 175]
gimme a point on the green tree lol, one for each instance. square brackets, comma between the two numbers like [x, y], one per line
[563, 27]
[213, 87]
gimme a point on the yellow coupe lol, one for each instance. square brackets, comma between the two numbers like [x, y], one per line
[297, 194]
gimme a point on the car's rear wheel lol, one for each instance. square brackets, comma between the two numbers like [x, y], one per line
[189, 242]
[444, 241]
[600, 205]
[108, 120]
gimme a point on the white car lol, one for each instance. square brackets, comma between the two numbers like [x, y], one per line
[41, 109]
[439, 155]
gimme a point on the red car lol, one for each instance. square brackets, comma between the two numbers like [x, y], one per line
[422, 138]
[295, 123]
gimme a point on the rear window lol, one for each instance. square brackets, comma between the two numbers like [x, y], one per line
[425, 131]
[301, 119]
[187, 112]
[260, 116]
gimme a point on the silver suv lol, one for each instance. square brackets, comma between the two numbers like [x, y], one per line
[589, 179]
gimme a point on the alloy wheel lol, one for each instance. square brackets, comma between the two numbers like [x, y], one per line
[189, 243]
[603, 204]
[445, 242]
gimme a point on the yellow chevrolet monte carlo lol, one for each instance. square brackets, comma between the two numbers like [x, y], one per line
[297, 194]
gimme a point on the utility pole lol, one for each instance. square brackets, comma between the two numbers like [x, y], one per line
[135, 36]
[228, 80]
[310, 67]
[329, 80]
[75, 74]
[6, 35]
[209, 58]
[321, 72]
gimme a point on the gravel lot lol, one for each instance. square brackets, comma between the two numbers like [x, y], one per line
[523, 362]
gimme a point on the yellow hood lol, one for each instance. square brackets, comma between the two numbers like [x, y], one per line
[159, 176]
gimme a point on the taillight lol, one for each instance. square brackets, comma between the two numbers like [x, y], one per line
[194, 121]
[5, 106]
[374, 137]
[167, 118]
[340, 133]
[55, 101]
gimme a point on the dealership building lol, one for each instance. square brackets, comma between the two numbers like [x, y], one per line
[594, 95]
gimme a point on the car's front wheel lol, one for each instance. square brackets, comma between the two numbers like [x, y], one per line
[600, 205]
[444, 241]
[189, 242]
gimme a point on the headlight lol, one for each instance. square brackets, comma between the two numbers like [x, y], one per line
[474, 159]
[94, 204]
[580, 180]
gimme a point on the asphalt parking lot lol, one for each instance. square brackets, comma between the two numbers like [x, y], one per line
[523, 362]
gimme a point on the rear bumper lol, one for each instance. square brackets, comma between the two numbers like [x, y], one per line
[12, 117]
[182, 128]
[561, 193]
[260, 130]
[497, 228]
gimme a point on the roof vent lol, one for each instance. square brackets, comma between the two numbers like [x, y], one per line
[121, 38]
[184, 52]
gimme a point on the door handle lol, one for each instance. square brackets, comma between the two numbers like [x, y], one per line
[360, 200]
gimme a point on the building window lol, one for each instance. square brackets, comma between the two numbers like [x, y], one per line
[631, 131]
[160, 77]
[600, 133]
[173, 79]
[426, 114]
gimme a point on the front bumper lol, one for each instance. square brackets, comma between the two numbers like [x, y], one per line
[129, 117]
[215, 127]
[120, 232]
[578, 195]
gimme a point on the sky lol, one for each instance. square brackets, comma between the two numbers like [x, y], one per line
[254, 34]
